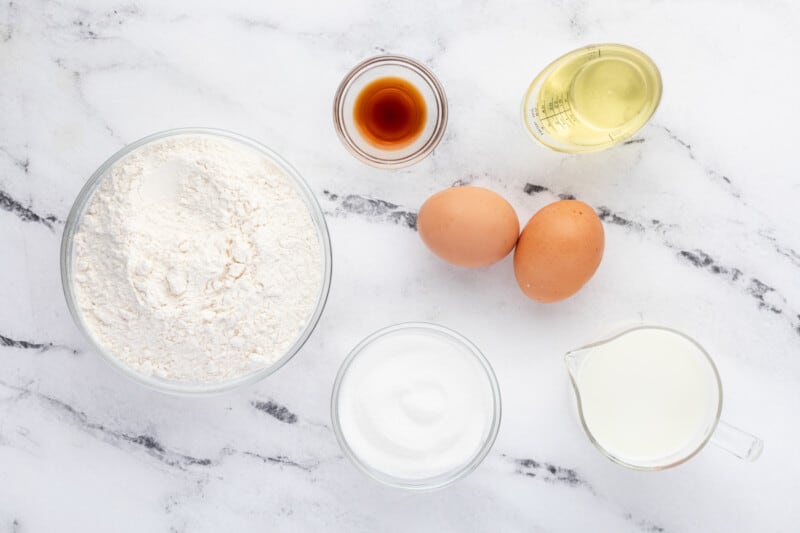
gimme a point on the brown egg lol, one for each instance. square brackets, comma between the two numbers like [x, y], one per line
[559, 251]
[468, 226]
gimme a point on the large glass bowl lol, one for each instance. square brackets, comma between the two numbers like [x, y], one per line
[170, 386]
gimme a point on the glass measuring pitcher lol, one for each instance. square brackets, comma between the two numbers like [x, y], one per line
[650, 398]
[592, 98]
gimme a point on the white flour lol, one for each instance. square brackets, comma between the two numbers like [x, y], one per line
[197, 260]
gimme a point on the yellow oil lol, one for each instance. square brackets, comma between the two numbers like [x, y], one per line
[592, 98]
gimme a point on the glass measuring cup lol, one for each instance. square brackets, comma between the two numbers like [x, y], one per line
[650, 398]
[592, 98]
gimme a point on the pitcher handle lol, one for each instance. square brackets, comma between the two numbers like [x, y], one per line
[738, 442]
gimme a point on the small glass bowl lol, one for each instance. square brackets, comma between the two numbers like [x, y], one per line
[175, 387]
[441, 480]
[380, 67]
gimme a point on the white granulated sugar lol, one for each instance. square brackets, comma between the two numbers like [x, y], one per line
[197, 260]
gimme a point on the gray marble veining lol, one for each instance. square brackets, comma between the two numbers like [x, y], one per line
[700, 212]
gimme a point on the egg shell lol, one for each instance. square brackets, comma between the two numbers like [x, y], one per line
[468, 226]
[559, 250]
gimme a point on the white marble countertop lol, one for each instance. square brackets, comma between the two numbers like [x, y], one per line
[701, 220]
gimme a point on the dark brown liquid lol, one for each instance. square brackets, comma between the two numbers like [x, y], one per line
[390, 113]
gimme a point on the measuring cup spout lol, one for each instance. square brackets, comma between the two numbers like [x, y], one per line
[574, 360]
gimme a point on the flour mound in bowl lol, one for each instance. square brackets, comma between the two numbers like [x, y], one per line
[196, 260]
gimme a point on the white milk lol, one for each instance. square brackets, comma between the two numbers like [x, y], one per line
[415, 404]
[649, 397]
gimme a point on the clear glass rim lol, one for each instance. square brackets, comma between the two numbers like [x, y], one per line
[441, 108]
[176, 387]
[588, 149]
[710, 431]
[443, 480]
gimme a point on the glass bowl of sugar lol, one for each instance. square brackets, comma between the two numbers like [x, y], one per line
[416, 406]
[196, 261]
